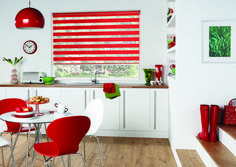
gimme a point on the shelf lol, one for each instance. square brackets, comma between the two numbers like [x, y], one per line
[171, 22]
[171, 49]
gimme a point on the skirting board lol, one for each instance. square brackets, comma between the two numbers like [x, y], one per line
[119, 133]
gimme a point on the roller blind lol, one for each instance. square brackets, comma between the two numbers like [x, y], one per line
[96, 38]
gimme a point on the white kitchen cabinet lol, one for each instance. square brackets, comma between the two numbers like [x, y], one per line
[2, 93]
[138, 112]
[75, 99]
[17, 92]
[159, 110]
[135, 107]
[111, 110]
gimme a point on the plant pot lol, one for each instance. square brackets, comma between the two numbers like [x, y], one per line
[148, 76]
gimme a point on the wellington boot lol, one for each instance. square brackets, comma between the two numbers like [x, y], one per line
[213, 123]
[204, 110]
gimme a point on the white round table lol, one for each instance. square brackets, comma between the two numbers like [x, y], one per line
[37, 121]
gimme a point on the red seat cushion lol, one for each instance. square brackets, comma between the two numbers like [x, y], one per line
[49, 149]
[23, 129]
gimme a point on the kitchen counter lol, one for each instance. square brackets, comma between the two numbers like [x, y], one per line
[82, 85]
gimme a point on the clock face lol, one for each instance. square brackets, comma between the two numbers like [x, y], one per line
[30, 47]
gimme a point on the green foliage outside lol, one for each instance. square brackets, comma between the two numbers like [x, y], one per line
[87, 71]
[220, 41]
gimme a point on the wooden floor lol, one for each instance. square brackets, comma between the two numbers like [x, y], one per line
[116, 152]
[189, 158]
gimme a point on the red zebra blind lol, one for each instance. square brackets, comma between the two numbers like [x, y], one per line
[96, 38]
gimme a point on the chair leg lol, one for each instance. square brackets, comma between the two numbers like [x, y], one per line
[99, 150]
[13, 145]
[83, 159]
[13, 158]
[45, 126]
[2, 154]
[3, 158]
[51, 162]
[84, 149]
[69, 160]
[63, 161]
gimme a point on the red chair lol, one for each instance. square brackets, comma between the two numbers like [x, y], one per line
[9, 105]
[66, 134]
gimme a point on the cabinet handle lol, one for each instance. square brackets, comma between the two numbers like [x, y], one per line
[85, 99]
[124, 109]
[155, 110]
[93, 94]
[28, 96]
[36, 92]
[28, 93]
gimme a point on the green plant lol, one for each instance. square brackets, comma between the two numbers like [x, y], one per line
[219, 41]
[14, 62]
[148, 75]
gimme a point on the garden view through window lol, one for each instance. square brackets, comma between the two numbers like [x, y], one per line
[86, 42]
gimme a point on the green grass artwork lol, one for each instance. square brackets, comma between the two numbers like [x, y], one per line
[220, 41]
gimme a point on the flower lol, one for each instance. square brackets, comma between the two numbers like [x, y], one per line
[15, 62]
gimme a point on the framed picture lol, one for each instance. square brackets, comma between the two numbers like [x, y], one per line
[218, 39]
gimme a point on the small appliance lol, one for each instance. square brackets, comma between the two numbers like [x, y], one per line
[29, 77]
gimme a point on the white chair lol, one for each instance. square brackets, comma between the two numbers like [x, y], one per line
[4, 143]
[94, 111]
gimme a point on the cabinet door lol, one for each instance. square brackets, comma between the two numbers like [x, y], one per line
[136, 109]
[2, 93]
[17, 92]
[160, 121]
[75, 99]
[111, 110]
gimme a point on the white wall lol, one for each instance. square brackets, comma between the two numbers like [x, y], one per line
[198, 83]
[152, 37]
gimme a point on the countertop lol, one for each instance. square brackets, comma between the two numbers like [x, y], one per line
[82, 85]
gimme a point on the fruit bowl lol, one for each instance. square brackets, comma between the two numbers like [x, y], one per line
[24, 114]
[48, 80]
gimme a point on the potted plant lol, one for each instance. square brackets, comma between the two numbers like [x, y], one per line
[13, 62]
[148, 75]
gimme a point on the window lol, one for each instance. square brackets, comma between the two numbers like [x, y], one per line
[86, 42]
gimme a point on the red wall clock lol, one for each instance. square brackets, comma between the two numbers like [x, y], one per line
[30, 47]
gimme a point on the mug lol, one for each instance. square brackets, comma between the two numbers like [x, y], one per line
[153, 83]
[60, 108]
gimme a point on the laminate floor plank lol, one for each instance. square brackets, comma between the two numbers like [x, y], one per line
[189, 158]
[116, 152]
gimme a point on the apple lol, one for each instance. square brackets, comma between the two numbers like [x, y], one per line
[30, 108]
[19, 109]
[25, 109]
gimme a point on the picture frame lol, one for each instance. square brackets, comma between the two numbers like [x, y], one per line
[217, 41]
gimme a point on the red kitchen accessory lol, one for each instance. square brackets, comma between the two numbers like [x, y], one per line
[158, 72]
[230, 113]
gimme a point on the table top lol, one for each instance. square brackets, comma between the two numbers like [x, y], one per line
[46, 118]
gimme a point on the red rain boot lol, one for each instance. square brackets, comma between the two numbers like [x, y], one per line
[214, 120]
[204, 109]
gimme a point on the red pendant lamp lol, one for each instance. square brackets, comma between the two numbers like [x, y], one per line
[29, 18]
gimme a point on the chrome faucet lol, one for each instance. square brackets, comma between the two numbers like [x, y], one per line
[95, 79]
